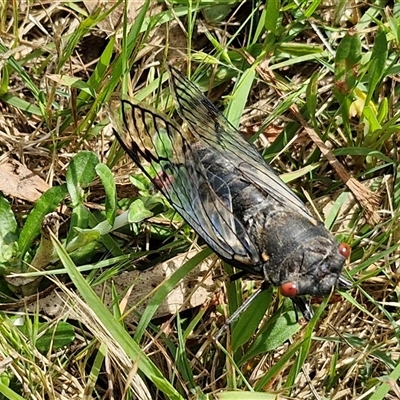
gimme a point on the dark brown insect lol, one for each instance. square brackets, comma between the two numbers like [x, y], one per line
[231, 197]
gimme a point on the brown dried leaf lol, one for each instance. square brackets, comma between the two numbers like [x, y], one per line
[272, 132]
[18, 181]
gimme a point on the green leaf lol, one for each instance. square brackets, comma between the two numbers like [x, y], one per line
[249, 319]
[84, 237]
[4, 80]
[279, 366]
[79, 32]
[138, 212]
[73, 82]
[24, 76]
[299, 50]
[54, 337]
[373, 124]
[47, 203]
[96, 79]
[140, 181]
[377, 64]
[387, 382]
[80, 174]
[304, 350]
[21, 104]
[272, 14]
[8, 232]
[79, 220]
[292, 176]
[234, 111]
[311, 98]
[383, 110]
[274, 333]
[107, 179]
[163, 144]
[361, 151]
[216, 13]
[347, 62]
[9, 393]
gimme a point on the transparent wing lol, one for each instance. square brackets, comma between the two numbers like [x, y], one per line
[210, 126]
[200, 197]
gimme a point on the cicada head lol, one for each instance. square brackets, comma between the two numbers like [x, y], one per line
[314, 268]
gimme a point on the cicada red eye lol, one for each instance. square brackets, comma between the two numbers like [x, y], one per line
[344, 250]
[289, 289]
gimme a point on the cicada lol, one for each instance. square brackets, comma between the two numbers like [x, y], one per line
[223, 188]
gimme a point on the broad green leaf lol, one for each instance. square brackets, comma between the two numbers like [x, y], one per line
[347, 63]
[73, 82]
[54, 337]
[138, 212]
[235, 108]
[274, 333]
[79, 220]
[249, 319]
[272, 14]
[8, 232]
[84, 237]
[80, 174]
[140, 181]
[376, 67]
[107, 179]
[47, 203]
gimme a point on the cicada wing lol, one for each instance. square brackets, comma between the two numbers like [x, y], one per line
[210, 126]
[174, 166]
